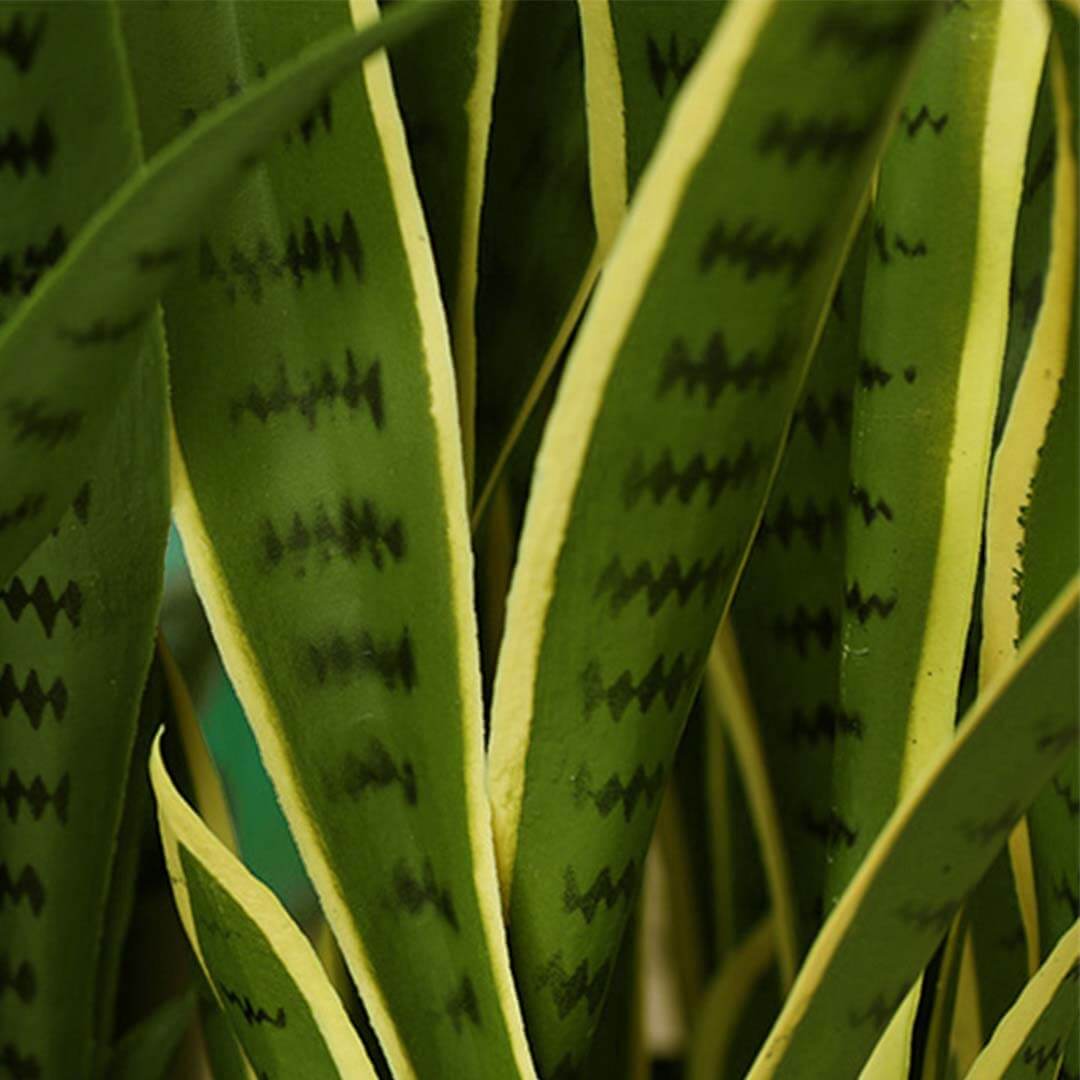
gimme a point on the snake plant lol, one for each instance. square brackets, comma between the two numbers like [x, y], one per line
[627, 455]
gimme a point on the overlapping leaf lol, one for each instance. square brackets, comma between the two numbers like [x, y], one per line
[933, 336]
[696, 341]
[263, 971]
[67, 352]
[320, 495]
[935, 847]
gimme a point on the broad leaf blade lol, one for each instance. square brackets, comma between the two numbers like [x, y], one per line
[76, 635]
[1033, 1035]
[696, 340]
[320, 496]
[928, 378]
[938, 843]
[70, 140]
[789, 603]
[264, 973]
[68, 350]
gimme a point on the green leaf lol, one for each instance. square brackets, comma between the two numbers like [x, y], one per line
[695, 342]
[637, 57]
[998, 941]
[943, 223]
[68, 350]
[789, 603]
[76, 635]
[1046, 492]
[263, 971]
[444, 86]
[725, 683]
[935, 847]
[540, 243]
[319, 491]
[70, 140]
[146, 1052]
[727, 1001]
[1033, 1034]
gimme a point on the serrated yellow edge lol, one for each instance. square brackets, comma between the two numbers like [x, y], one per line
[771, 1055]
[1020, 45]
[1037, 392]
[181, 825]
[463, 317]
[693, 121]
[1017, 1024]
[1017, 457]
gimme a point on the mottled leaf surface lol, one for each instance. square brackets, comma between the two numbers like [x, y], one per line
[934, 849]
[320, 495]
[76, 634]
[68, 350]
[789, 603]
[696, 341]
[933, 336]
[263, 972]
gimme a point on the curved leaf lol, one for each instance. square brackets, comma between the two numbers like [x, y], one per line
[1047, 490]
[264, 972]
[726, 999]
[696, 341]
[1033, 1033]
[320, 495]
[944, 219]
[68, 350]
[540, 238]
[76, 636]
[789, 603]
[937, 844]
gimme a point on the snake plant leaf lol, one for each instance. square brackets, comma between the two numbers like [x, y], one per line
[928, 377]
[224, 1054]
[1051, 515]
[694, 344]
[264, 972]
[937, 1048]
[69, 140]
[637, 56]
[789, 603]
[68, 349]
[444, 85]
[1031, 253]
[725, 682]
[319, 492]
[135, 821]
[146, 1052]
[998, 940]
[1033, 527]
[76, 635]
[540, 241]
[1033, 1034]
[618, 1051]
[726, 1000]
[935, 847]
